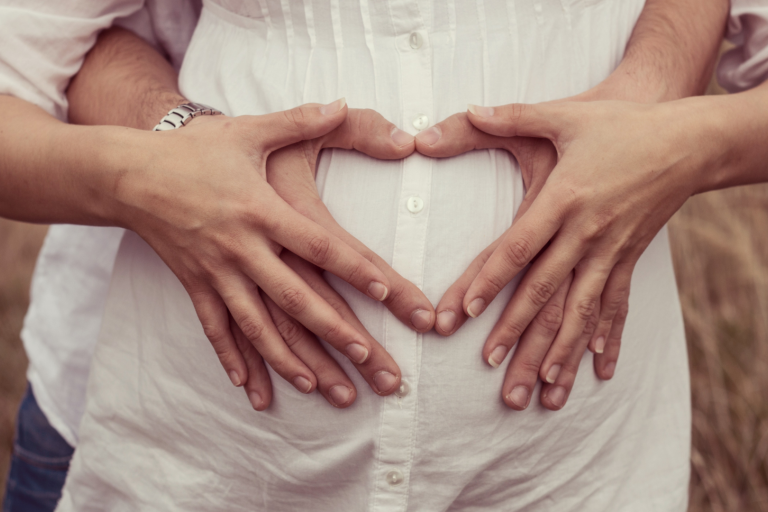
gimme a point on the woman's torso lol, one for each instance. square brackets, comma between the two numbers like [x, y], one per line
[160, 404]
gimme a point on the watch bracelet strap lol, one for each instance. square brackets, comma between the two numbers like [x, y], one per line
[181, 115]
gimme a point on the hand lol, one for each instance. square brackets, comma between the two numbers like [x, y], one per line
[537, 158]
[200, 198]
[291, 172]
[596, 220]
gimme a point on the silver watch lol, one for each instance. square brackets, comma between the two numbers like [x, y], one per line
[182, 114]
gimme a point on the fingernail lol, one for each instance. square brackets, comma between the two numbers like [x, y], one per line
[476, 307]
[421, 319]
[235, 378]
[556, 395]
[446, 320]
[333, 107]
[378, 291]
[339, 395]
[430, 136]
[480, 111]
[553, 372]
[400, 137]
[497, 356]
[519, 396]
[255, 399]
[302, 384]
[384, 381]
[357, 353]
[600, 344]
[609, 369]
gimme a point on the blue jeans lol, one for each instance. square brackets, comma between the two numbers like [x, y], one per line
[39, 463]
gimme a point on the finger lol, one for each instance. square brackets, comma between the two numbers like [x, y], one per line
[380, 371]
[605, 363]
[214, 318]
[251, 315]
[542, 280]
[527, 236]
[368, 132]
[297, 298]
[545, 120]
[523, 369]
[320, 247]
[554, 395]
[332, 382]
[404, 299]
[456, 135]
[616, 293]
[280, 129]
[258, 387]
[581, 306]
[450, 311]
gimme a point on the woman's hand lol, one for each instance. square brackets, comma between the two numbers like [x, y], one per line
[199, 196]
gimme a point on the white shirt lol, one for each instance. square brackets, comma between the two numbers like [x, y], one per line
[70, 280]
[165, 430]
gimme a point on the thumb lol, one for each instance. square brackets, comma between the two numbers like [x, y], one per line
[544, 120]
[368, 132]
[309, 121]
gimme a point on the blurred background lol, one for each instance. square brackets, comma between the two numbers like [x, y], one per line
[720, 248]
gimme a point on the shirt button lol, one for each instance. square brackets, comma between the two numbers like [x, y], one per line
[394, 477]
[403, 390]
[416, 40]
[421, 122]
[415, 204]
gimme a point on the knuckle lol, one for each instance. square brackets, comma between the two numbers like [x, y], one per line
[293, 301]
[584, 308]
[319, 249]
[216, 336]
[590, 326]
[518, 253]
[613, 303]
[512, 331]
[252, 329]
[549, 319]
[290, 331]
[296, 117]
[541, 291]
[528, 366]
[623, 311]
[332, 332]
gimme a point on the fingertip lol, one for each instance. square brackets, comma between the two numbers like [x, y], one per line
[303, 384]
[554, 398]
[236, 379]
[401, 139]
[518, 398]
[333, 107]
[475, 307]
[445, 323]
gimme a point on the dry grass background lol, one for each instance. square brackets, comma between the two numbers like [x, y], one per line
[720, 248]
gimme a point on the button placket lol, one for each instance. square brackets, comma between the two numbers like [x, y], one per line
[399, 412]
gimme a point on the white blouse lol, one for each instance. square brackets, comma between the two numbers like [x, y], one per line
[165, 430]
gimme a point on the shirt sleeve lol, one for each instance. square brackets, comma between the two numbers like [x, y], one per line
[44, 43]
[746, 65]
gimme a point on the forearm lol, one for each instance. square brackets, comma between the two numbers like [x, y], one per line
[51, 172]
[731, 132]
[671, 52]
[123, 82]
